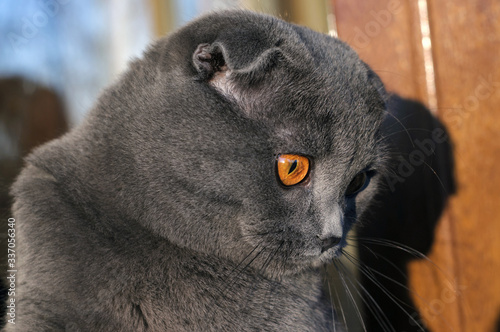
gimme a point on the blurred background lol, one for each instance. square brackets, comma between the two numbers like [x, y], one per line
[76, 47]
[56, 55]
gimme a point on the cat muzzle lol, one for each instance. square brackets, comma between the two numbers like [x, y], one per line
[329, 243]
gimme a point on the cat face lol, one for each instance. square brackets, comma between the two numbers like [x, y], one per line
[329, 151]
[248, 138]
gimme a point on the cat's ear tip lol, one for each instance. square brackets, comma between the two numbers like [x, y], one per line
[208, 59]
[201, 53]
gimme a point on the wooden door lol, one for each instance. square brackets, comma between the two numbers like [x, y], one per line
[446, 54]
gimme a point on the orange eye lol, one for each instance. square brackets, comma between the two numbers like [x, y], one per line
[292, 168]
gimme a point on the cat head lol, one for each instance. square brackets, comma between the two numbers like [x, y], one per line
[240, 136]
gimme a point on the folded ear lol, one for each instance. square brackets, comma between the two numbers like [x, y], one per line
[208, 60]
[233, 74]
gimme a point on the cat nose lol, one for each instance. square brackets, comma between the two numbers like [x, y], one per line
[329, 242]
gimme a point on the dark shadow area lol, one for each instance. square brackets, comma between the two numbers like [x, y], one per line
[29, 116]
[405, 212]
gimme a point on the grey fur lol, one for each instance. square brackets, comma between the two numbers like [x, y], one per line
[162, 211]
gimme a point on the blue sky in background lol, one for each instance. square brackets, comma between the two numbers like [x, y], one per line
[187, 10]
[77, 47]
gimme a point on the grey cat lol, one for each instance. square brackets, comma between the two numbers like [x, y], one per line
[205, 188]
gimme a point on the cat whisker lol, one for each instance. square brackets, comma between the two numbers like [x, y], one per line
[245, 258]
[269, 258]
[377, 312]
[407, 130]
[273, 273]
[385, 259]
[341, 308]
[282, 267]
[331, 298]
[402, 125]
[372, 274]
[437, 176]
[333, 311]
[338, 302]
[429, 167]
[349, 293]
[401, 119]
[231, 280]
[407, 249]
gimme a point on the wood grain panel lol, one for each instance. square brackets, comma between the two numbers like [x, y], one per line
[386, 34]
[447, 290]
[393, 47]
[466, 44]
[461, 292]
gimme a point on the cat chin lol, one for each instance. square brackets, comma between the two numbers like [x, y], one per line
[327, 257]
[316, 261]
[299, 265]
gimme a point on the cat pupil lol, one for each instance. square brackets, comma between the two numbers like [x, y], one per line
[292, 167]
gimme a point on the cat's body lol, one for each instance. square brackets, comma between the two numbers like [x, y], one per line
[164, 210]
[139, 282]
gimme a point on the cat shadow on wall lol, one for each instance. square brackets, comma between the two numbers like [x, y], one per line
[400, 226]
